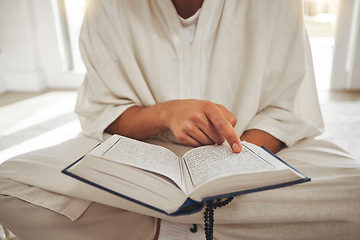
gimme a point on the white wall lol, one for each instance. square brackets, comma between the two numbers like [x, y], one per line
[354, 82]
[50, 47]
[2, 81]
[30, 58]
[346, 60]
[18, 42]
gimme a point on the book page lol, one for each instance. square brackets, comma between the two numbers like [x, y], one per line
[142, 155]
[209, 162]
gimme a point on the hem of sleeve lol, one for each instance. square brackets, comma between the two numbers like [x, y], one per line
[277, 133]
[284, 137]
[111, 113]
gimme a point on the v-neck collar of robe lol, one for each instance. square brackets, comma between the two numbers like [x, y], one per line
[192, 57]
[209, 14]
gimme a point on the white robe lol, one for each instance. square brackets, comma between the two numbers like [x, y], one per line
[251, 56]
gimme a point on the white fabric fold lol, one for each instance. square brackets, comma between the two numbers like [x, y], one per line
[70, 207]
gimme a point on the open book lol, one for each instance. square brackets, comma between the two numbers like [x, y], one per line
[155, 177]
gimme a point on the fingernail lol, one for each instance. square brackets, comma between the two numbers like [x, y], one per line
[236, 148]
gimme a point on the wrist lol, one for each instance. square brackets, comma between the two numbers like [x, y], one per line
[164, 114]
[262, 138]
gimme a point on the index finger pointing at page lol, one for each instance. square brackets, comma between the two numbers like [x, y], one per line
[225, 128]
[228, 132]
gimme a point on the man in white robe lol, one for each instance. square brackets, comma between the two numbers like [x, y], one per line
[246, 72]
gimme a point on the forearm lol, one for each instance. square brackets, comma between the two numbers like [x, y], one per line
[193, 122]
[139, 122]
[261, 138]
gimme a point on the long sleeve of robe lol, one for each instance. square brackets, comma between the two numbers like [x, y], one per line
[252, 57]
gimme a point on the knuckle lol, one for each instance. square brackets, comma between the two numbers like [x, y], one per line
[221, 124]
[182, 137]
[231, 139]
[232, 120]
[208, 106]
[197, 118]
[188, 128]
[221, 107]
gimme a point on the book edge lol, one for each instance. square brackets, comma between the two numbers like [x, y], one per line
[191, 206]
[66, 172]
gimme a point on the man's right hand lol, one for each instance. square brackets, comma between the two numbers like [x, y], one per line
[199, 122]
[193, 122]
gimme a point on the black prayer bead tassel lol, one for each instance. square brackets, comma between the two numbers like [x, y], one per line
[209, 220]
[209, 215]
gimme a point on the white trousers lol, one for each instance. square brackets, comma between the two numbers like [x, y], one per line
[326, 208]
